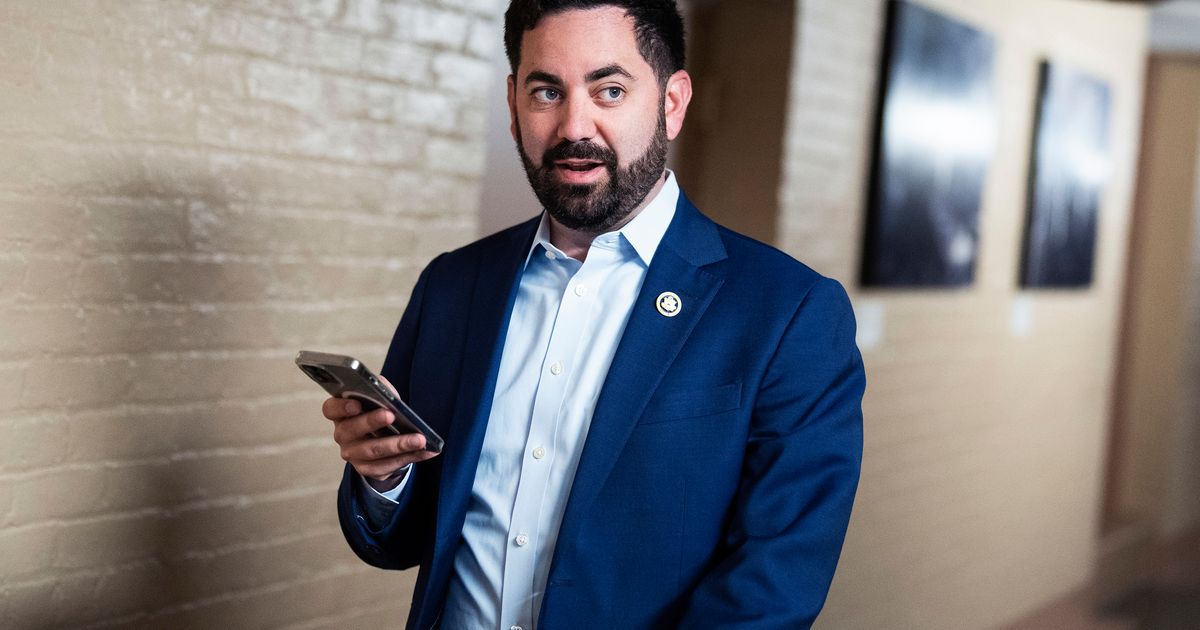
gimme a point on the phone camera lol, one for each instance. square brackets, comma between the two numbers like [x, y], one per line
[319, 374]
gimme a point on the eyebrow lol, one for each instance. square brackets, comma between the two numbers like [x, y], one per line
[607, 71]
[543, 77]
[538, 76]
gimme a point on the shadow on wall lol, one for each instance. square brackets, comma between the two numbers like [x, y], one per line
[172, 476]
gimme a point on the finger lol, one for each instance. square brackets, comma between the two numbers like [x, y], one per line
[339, 408]
[382, 469]
[361, 427]
[355, 428]
[372, 449]
[412, 442]
[377, 449]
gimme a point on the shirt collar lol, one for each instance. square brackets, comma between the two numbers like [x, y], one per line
[644, 232]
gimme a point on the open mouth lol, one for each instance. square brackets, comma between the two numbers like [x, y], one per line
[580, 172]
[578, 166]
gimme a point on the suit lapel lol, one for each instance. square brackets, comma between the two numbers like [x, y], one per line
[648, 347]
[498, 275]
[497, 280]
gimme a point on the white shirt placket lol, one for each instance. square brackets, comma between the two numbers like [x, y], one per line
[539, 466]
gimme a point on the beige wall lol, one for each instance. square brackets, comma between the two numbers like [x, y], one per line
[1158, 423]
[190, 192]
[730, 156]
[1183, 489]
[987, 408]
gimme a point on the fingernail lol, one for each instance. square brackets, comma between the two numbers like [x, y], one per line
[353, 408]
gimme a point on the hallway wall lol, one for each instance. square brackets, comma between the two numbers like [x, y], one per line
[190, 192]
[1183, 498]
[987, 407]
[1171, 176]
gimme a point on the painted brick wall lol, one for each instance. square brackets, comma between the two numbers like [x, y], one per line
[987, 408]
[190, 192]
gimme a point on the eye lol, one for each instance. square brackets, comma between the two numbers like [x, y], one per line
[546, 95]
[612, 94]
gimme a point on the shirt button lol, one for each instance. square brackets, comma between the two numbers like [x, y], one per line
[551, 255]
[539, 453]
[556, 368]
[580, 290]
[515, 628]
[521, 540]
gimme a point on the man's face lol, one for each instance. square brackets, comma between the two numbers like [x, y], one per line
[590, 120]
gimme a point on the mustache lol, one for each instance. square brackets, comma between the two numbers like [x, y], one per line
[579, 150]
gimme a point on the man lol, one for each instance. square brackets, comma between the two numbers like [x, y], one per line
[650, 421]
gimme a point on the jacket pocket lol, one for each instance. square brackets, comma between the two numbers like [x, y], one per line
[681, 404]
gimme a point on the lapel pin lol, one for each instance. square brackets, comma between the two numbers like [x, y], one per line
[669, 304]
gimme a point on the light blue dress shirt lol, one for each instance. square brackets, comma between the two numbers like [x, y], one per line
[566, 323]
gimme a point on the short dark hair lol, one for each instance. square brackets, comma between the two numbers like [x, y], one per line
[657, 25]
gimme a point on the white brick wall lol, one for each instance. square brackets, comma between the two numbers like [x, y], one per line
[189, 193]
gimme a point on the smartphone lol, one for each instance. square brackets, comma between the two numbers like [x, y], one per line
[347, 377]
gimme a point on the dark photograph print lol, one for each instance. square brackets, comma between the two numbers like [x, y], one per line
[1068, 167]
[934, 141]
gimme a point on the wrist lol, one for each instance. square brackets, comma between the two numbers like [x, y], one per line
[390, 482]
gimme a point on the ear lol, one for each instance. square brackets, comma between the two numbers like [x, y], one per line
[675, 103]
[512, 107]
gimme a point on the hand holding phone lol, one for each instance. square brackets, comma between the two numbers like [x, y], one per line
[378, 433]
[377, 459]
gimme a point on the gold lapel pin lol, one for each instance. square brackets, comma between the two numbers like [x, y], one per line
[669, 304]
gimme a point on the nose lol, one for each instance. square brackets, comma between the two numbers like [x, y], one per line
[577, 122]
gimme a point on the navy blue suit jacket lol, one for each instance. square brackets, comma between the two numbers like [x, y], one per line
[717, 477]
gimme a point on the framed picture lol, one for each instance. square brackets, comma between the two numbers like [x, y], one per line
[1068, 167]
[934, 143]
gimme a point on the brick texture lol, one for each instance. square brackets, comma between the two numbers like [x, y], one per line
[985, 441]
[190, 192]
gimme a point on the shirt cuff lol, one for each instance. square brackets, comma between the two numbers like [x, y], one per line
[392, 496]
[379, 506]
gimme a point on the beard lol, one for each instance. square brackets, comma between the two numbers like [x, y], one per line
[596, 208]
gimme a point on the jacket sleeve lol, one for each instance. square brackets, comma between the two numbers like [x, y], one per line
[798, 479]
[392, 545]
